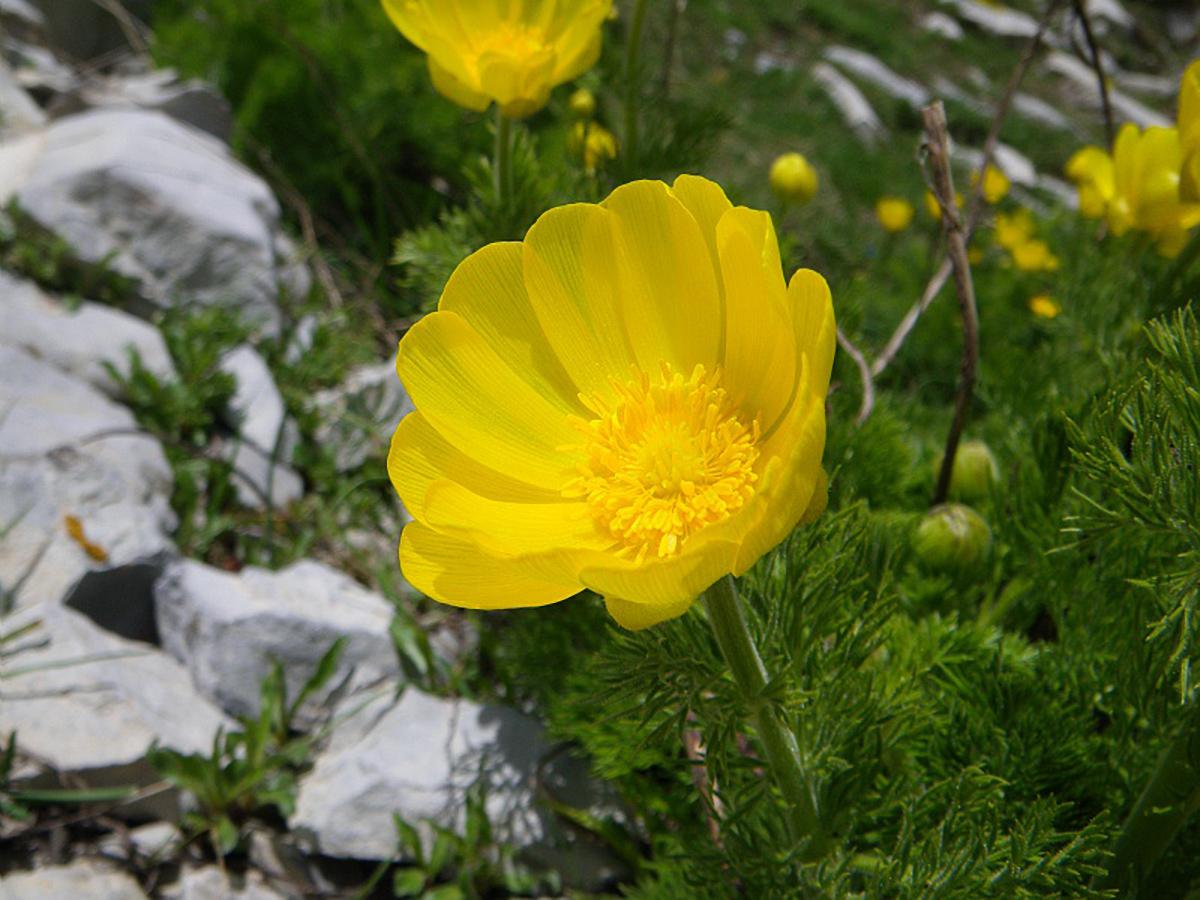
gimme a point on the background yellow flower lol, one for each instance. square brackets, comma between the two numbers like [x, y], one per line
[511, 53]
[894, 213]
[793, 179]
[630, 400]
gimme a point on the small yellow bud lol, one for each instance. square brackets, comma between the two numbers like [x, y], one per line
[935, 209]
[1044, 306]
[995, 184]
[894, 213]
[793, 180]
[582, 104]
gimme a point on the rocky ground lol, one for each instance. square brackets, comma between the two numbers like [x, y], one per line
[112, 641]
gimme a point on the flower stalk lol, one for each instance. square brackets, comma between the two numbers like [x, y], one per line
[1169, 799]
[778, 742]
[632, 67]
[502, 165]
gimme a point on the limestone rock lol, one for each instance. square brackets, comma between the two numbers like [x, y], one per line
[359, 416]
[80, 340]
[226, 628]
[998, 20]
[190, 101]
[84, 879]
[210, 883]
[856, 110]
[942, 25]
[1081, 82]
[161, 202]
[872, 70]
[18, 112]
[419, 757]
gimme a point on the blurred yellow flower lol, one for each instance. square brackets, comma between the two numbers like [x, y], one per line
[1034, 256]
[511, 52]
[1092, 171]
[1189, 133]
[1013, 229]
[793, 179]
[582, 104]
[934, 208]
[593, 143]
[995, 183]
[1044, 306]
[894, 213]
[631, 400]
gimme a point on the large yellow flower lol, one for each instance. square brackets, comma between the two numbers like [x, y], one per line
[512, 52]
[630, 400]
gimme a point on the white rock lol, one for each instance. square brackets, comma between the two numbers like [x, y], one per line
[949, 90]
[80, 340]
[18, 112]
[257, 406]
[295, 278]
[418, 759]
[148, 841]
[161, 203]
[22, 10]
[89, 703]
[359, 417]
[1111, 12]
[1040, 111]
[190, 101]
[226, 628]
[1150, 85]
[259, 478]
[210, 883]
[301, 339]
[997, 20]
[856, 110]
[65, 449]
[942, 25]
[1082, 79]
[1183, 25]
[81, 880]
[772, 61]
[85, 30]
[870, 69]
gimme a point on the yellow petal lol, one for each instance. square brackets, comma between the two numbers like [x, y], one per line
[419, 456]
[455, 90]
[666, 281]
[815, 332]
[488, 291]
[706, 201]
[569, 264]
[665, 582]
[760, 346]
[636, 616]
[476, 402]
[1189, 108]
[508, 528]
[461, 574]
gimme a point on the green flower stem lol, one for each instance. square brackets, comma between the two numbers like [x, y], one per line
[1170, 798]
[779, 743]
[502, 168]
[631, 86]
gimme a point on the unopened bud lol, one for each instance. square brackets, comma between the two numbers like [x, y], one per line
[952, 538]
[974, 471]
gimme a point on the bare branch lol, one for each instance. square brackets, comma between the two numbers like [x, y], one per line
[864, 370]
[1101, 80]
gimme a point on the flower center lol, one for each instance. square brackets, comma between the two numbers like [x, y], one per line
[665, 458]
[515, 42]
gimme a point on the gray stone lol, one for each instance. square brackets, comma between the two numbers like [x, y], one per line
[1081, 82]
[872, 70]
[1040, 111]
[22, 11]
[419, 757]
[772, 61]
[190, 101]
[87, 703]
[301, 339]
[1018, 167]
[1183, 26]
[226, 628]
[295, 278]
[942, 25]
[998, 20]
[260, 479]
[256, 407]
[40, 70]
[85, 30]
[18, 112]
[81, 339]
[66, 450]
[81, 880]
[856, 110]
[149, 841]
[1148, 85]
[1110, 12]
[162, 203]
[359, 416]
[949, 90]
[210, 883]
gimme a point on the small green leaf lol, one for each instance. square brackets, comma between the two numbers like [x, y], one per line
[408, 883]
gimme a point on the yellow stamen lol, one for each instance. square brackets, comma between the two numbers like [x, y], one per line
[664, 459]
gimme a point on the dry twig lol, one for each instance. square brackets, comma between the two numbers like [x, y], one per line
[1098, 66]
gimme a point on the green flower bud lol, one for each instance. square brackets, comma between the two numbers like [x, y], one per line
[952, 538]
[974, 471]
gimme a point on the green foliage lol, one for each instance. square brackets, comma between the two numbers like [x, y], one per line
[252, 769]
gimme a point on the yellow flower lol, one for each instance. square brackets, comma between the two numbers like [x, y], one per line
[593, 143]
[934, 208]
[894, 213]
[1147, 166]
[582, 104]
[1044, 306]
[1034, 256]
[1189, 133]
[995, 183]
[511, 52]
[1013, 230]
[1092, 171]
[793, 179]
[631, 400]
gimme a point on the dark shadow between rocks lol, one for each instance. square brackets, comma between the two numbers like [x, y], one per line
[120, 600]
